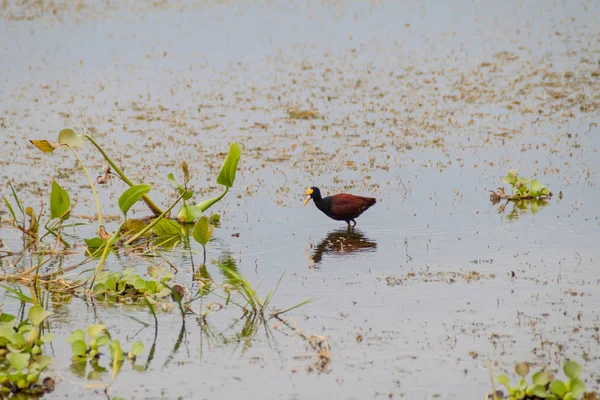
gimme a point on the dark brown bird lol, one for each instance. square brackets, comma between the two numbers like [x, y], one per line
[341, 207]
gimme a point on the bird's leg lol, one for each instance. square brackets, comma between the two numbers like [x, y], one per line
[354, 223]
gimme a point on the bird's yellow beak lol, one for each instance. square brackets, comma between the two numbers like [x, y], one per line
[308, 192]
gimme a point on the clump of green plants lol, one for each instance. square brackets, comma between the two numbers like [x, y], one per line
[88, 347]
[129, 286]
[98, 337]
[543, 384]
[522, 189]
[21, 359]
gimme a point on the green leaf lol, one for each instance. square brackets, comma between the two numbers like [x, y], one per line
[10, 209]
[155, 271]
[137, 348]
[536, 187]
[202, 231]
[558, 388]
[47, 338]
[18, 361]
[150, 287]
[79, 334]
[540, 378]
[43, 362]
[189, 213]
[188, 193]
[94, 243]
[95, 330]
[572, 369]
[569, 396]
[167, 227]
[37, 314]
[511, 179]
[540, 391]
[503, 380]
[69, 137]
[116, 350]
[102, 341]
[79, 348]
[227, 175]
[59, 201]
[45, 145]
[132, 196]
[140, 285]
[577, 387]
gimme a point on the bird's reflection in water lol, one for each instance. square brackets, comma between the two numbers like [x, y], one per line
[342, 241]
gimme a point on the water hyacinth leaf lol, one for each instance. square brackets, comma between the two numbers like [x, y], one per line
[47, 338]
[511, 179]
[540, 378]
[154, 271]
[95, 330]
[569, 396]
[577, 387]
[79, 334]
[202, 231]
[18, 361]
[60, 202]
[558, 388]
[132, 196]
[37, 314]
[78, 348]
[70, 138]
[45, 145]
[102, 341]
[572, 369]
[138, 348]
[539, 391]
[227, 175]
[536, 186]
[43, 362]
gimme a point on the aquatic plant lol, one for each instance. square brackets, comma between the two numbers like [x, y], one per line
[21, 358]
[98, 337]
[129, 286]
[522, 189]
[543, 384]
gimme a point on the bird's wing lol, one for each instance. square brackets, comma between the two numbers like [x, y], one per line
[347, 204]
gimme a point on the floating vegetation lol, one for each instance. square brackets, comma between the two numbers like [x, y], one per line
[21, 358]
[522, 189]
[543, 384]
[127, 286]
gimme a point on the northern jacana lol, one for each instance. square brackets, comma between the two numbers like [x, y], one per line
[341, 207]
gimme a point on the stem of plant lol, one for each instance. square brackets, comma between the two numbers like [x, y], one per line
[154, 222]
[109, 243]
[100, 219]
[153, 207]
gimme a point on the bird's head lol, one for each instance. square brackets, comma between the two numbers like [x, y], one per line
[312, 192]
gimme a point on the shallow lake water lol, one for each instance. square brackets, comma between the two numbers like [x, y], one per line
[423, 105]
